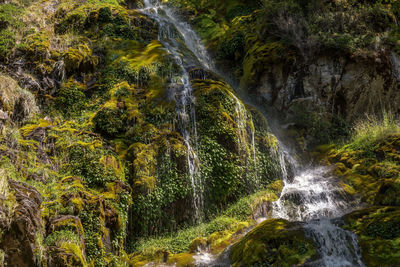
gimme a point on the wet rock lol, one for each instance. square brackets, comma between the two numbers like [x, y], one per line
[63, 255]
[198, 244]
[148, 27]
[133, 4]
[19, 239]
[58, 257]
[198, 73]
[262, 210]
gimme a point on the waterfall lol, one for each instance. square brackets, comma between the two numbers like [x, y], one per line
[169, 31]
[337, 247]
[314, 197]
[311, 195]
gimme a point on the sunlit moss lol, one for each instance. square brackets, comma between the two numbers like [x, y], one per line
[290, 245]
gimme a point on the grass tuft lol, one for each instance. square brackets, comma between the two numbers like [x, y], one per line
[368, 132]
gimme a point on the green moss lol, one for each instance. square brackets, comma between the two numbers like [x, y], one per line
[71, 97]
[9, 22]
[218, 233]
[86, 162]
[371, 171]
[36, 46]
[379, 233]
[80, 59]
[7, 42]
[274, 242]
[233, 162]
[181, 260]
[110, 121]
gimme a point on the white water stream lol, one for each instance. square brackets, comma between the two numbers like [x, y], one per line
[310, 195]
[171, 31]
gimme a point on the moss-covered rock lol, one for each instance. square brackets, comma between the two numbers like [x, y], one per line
[274, 242]
[232, 146]
[372, 171]
[379, 234]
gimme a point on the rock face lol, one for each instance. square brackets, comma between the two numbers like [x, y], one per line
[16, 103]
[22, 228]
[344, 86]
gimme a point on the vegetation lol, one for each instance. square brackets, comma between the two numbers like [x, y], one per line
[370, 165]
[217, 234]
[274, 242]
[94, 145]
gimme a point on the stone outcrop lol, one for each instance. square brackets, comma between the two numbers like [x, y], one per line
[23, 227]
[336, 85]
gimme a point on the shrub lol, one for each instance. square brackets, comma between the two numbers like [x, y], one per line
[7, 42]
[9, 16]
[86, 162]
[71, 98]
[110, 121]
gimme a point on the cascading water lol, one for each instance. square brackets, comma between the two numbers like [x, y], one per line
[311, 195]
[314, 197]
[170, 31]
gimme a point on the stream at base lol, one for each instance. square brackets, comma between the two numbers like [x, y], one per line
[311, 195]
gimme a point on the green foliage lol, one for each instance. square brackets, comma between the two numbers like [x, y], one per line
[229, 220]
[221, 171]
[85, 162]
[71, 98]
[9, 16]
[345, 26]
[91, 223]
[233, 48]
[61, 236]
[110, 121]
[158, 203]
[108, 20]
[8, 22]
[7, 42]
[232, 165]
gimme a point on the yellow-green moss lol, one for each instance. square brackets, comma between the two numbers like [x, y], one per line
[290, 246]
[379, 234]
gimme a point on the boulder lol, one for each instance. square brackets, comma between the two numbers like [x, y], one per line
[274, 242]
